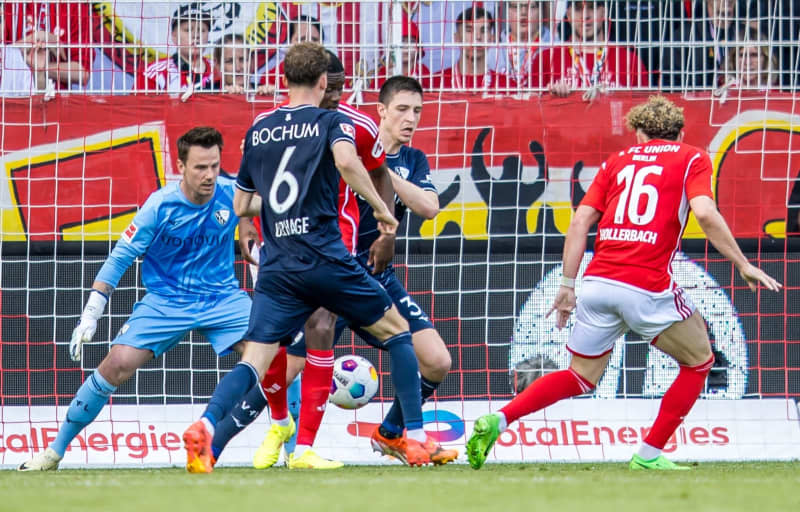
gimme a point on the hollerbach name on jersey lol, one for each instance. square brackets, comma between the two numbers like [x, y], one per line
[285, 132]
[291, 227]
[628, 235]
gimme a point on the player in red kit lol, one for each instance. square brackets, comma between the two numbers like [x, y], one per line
[318, 365]
[640, 199]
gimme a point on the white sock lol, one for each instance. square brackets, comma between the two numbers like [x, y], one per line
[503, 421]
[283, 422]
[208, 426]
[648, 452]
[300, 449]
[417, 434]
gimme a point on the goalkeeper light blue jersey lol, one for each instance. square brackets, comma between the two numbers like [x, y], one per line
[187, 248]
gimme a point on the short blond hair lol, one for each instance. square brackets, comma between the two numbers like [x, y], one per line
[658, 118]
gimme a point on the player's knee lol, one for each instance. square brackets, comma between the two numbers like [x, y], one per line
[319, 330]
[436, 363]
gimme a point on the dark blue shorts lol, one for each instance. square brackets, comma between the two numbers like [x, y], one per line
[283, 301]
[417, 319]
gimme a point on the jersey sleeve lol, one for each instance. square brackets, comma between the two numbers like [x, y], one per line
[133, 242]
[244, 179]
[421, 176]
[340, 128]
[369, 146]
[598, 190]
[698, 180]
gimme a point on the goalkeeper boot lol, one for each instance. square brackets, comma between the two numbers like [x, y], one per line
[660, 463]
[310, 460]
[484, 434]
[439, 455]
[197, 441]
[267, 454]
[43, 461]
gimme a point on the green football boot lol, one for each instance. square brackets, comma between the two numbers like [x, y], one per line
[484, 434]
[660, 463]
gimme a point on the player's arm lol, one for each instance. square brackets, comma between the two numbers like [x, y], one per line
[246, 203]
[248, 237]
[381, 251]
[354, 174]
[424, 203]
[134, 241]
[717, 232]
[574, 248]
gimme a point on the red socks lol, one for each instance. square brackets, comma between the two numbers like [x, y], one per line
[545, 391]
[314, 390]
[274, 386]
[677, 402]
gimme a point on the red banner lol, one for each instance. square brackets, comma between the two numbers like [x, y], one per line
[78, 167]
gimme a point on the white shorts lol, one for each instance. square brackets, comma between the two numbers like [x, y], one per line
[605, 311]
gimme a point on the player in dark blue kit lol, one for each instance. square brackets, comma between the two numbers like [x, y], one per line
[400, 108]
[291, 157]
[184, 231]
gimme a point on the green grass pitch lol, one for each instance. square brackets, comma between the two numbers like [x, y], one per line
[709, 487]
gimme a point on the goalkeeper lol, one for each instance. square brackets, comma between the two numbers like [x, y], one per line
[185, 232]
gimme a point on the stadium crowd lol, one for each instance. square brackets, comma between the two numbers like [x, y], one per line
[497, 47]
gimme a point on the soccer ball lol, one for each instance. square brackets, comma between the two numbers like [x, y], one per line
[355, 382]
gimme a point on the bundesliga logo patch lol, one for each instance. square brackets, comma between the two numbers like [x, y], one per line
[129, 232]
[348, 130]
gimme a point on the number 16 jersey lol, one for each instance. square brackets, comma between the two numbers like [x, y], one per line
[288, 161]
[643, 194]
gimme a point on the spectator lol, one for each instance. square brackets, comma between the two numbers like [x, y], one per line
[474, 29]
[59, 27]
[779, 21]
[702, 62]
[525, 34]
[411, 55]
[752, 65]
[16, 75]
[188, 67]
[232, 59]
[586, 60]
[301, 28]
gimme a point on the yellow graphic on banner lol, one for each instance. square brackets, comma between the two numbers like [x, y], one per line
[471, 218]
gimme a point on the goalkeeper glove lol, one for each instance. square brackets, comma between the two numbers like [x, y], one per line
[88, 324]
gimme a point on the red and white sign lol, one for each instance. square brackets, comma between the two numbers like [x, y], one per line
[577, 430]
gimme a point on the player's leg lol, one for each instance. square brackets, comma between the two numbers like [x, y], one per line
[591, 341]
[283, 426]
[293, 397]
[687, 342]
[153, 328]
[317, 376]
[273, 317]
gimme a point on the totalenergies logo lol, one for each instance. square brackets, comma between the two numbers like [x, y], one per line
[443, 426]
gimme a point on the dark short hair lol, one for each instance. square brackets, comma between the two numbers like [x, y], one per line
[305, 20]
[237, 39]
[475, 13]
[334, 64]
[203, 136]
[304, 63]
[397, 84]
[193, 11]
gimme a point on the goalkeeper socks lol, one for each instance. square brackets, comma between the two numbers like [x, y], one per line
[274, 386]
[317, 377]
[545, 391]
[393, 422]
[240, 417]
[293, 397]
[404, 369]
[229, 391]
[84, 408]
[678, 401]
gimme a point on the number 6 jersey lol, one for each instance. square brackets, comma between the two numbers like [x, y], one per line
[288, 161]
[643, 194]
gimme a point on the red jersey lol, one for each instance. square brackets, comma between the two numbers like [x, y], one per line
[165, 75]
[70, 21]
[370, 149]
[583, 66]
[643, 194]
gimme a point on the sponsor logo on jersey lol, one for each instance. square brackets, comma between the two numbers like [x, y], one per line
[350, 131]
[284, 132]
[222, 216]
[129, 232]
[402, 171]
